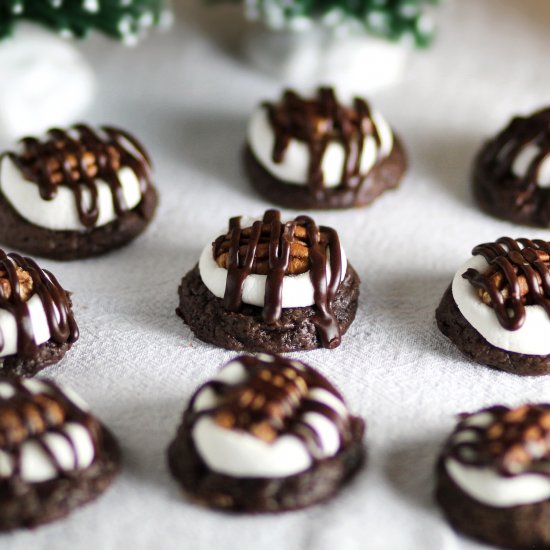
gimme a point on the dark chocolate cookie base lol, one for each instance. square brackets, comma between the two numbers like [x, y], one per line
[48, 354]
[385, 175]
[27, 505]
[18, 233]
[255, 495]
[246, 331]
[506, 198]
[471, 343]
[523, 527]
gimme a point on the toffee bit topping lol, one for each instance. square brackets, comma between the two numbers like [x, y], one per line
[518, 276]
[317, 122]
[273, 400]
[275, 249]
[515, 441]
[77, 158]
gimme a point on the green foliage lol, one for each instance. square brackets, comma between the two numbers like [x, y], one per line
[122, 19]
[391, 19]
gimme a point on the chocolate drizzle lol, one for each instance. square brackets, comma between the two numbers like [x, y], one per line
[279, 237]
[79, 158]
[27, 416]
[503, 151]
[511, 441]
[56, 303]
[317, 122]
[518, 275]
[272, 402]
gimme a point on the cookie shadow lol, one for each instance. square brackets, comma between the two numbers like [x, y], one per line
[448, 160]
[142, 298]
[212, 142]
[408, 300]
[209, 143]
[410, 470]
[154, 309]
[144, 447]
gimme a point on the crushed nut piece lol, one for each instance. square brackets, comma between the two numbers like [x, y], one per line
[299, 251]
[517, 440]
[264, 431]
[498, 280]
[517, 415]
[25, 284]
[225, 419]
[63, 165]
[30, 417]
[265, 404]
[495, 431]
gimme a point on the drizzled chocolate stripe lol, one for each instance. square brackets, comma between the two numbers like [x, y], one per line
[61, 322]
[317, 122]
[272, 401]
[518, 275]
[513, 441]
[79, 158]
[27, 416]
[240, 266]
[499, 157]
[324, 292]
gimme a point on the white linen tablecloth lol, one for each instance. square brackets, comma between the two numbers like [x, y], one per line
[188, 99]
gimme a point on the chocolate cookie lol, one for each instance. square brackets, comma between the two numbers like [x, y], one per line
[497, 310]
[315, 153]
[77, 193]
[511, 175]
[493, 476]
[55, 456]
[272, 286]
[37, 325]
[267, 434]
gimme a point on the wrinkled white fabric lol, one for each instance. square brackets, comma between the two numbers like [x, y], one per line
[136, 364]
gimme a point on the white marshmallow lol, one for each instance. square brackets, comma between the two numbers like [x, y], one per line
[297, 289]
[531, 339]
[523, 161]
[61, 213]
[294, 167]
[240, 454]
